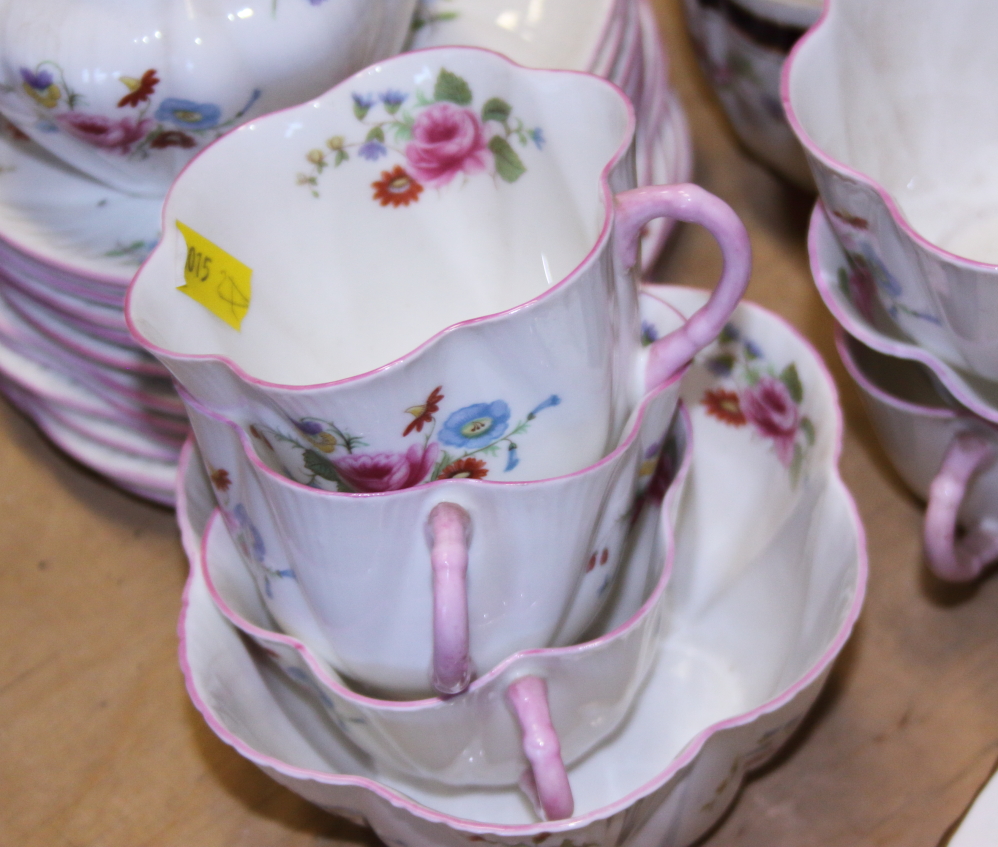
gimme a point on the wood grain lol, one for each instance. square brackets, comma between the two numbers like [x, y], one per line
[100, 746]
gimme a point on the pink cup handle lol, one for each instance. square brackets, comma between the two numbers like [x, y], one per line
[546, 782]
[951, 560]
[686, 202]
[448, 531]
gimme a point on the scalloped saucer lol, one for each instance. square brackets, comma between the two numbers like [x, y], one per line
[757, 614]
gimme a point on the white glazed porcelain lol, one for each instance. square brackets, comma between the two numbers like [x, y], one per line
[74, 223]
[554, 35]
[148, 389]
[742, 45]
[751, 640]
[664, 147]
[475, 739]
[57, 222]
[377, 605]
[943, 452]
[128, 94]
[849, 291]
[901, 145]
[507, 301]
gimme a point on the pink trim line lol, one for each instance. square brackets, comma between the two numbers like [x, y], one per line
[875, 340]
[62, 267]
[319, 669]
[863, 381]
[254, 459]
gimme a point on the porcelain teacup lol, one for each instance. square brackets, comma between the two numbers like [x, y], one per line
[942, 451]
[892, 122]
[470, 572]
[129, 93]
[541, 708]
[437, 275]
[748, 642]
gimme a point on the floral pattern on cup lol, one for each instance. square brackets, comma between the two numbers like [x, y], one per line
[867, 276]
[138, 128]
[244, 532]
[437, 137]
[134, 251]
[459, 449]
[759, 396]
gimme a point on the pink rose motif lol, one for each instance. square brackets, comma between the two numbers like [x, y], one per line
[862, 289]
[103, 132]
[769, 407]
[373, 472]
[447, 140]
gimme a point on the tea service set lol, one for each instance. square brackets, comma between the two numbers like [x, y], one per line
[492, 426]
[708, 649]
[446, 474]
[901, 245]
[86, 156]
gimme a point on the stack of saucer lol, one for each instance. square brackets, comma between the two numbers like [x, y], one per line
[68, 249]
[902, 245]
[92, 144]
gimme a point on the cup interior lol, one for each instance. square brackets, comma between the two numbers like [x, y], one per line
[895, 91]
[436, 187]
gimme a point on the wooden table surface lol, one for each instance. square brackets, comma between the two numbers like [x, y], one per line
[99, 744]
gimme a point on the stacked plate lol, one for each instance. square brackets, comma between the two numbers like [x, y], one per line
[68, 249]
[70, 245]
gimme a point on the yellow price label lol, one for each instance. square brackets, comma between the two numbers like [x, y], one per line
[217, 280]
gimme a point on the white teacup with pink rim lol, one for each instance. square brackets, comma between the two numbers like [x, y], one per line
[888, 100]
[129, 92]
[757, 614]
[427, 272]
[530, 716]
[470, 572]
[943, 452]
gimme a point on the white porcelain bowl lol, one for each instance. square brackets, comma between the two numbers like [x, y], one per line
[569, 34]
[758, 613]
